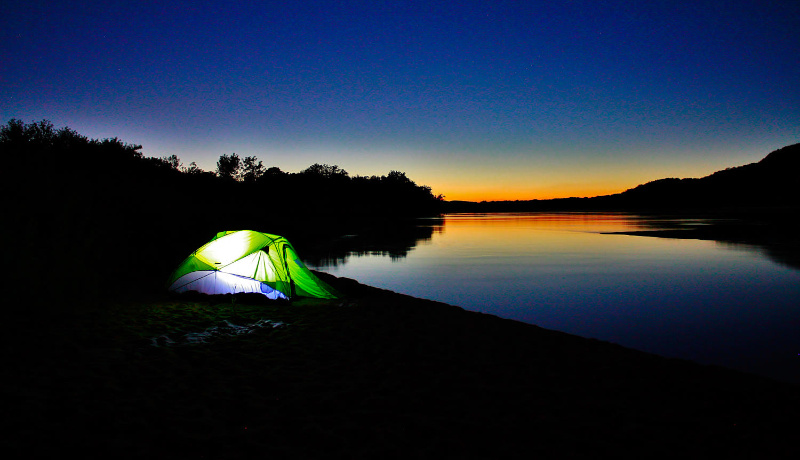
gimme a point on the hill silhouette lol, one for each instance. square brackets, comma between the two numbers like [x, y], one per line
[771, 182]
[752, 206]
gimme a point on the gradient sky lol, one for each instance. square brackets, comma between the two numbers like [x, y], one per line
[479, 100]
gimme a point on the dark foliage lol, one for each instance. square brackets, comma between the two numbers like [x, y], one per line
[229, 167]
[110, 216]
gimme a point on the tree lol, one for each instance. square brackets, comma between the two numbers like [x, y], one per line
[252, 171]
[229, 167]
[274, 172]
[325, 170]
[398, 177]
[191, 169]
[40, 150]
[173, 161]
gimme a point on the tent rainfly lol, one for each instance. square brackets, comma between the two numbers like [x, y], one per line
[248, 261]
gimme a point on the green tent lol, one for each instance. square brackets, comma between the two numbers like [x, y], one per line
[248, 261]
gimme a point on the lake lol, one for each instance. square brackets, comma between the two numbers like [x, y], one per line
[706, 301]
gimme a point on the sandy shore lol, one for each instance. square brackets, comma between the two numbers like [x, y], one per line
[376, 375]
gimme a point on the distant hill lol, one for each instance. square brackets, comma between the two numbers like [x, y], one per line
[771, 182]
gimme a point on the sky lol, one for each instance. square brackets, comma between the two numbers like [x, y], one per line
[480, 100]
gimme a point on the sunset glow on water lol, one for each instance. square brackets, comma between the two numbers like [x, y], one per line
[701, 300]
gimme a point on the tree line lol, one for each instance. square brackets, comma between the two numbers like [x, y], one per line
[109, 212]
[251, 170]
[39, 152]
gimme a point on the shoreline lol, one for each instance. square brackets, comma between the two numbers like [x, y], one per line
[377, 374]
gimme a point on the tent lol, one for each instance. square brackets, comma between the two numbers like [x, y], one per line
[248, 261]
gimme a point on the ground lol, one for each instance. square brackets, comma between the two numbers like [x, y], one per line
[373, 375]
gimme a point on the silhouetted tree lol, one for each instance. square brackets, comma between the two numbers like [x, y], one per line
[173, 161]
[273, 177]
[191, 169]
[398, 177]
[48, 153]
[252, 171]
[274, 172]
[229, 167]
[324, 170]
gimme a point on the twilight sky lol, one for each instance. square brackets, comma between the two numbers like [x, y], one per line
[480, 100]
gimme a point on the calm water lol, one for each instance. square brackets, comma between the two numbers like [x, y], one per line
[706, 301]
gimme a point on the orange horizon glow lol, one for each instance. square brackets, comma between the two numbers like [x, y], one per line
[520, 181]
[526, 179]
[477, 177]
[498, 191]
[478, 196]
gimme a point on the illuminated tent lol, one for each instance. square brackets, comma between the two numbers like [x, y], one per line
[248, 261]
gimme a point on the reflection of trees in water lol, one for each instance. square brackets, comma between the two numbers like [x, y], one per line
[781, 253]
[394, 241]
[775, 242]
[775, 239]
[788, 256]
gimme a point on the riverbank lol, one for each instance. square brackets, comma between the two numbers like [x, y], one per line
[376, 375]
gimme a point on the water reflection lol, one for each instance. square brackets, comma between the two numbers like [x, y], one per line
[715, 301]
[775, 239]
[775, 242]
[786, 255]
[394, 242]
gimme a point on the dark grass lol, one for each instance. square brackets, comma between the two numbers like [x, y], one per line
[375, 375]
